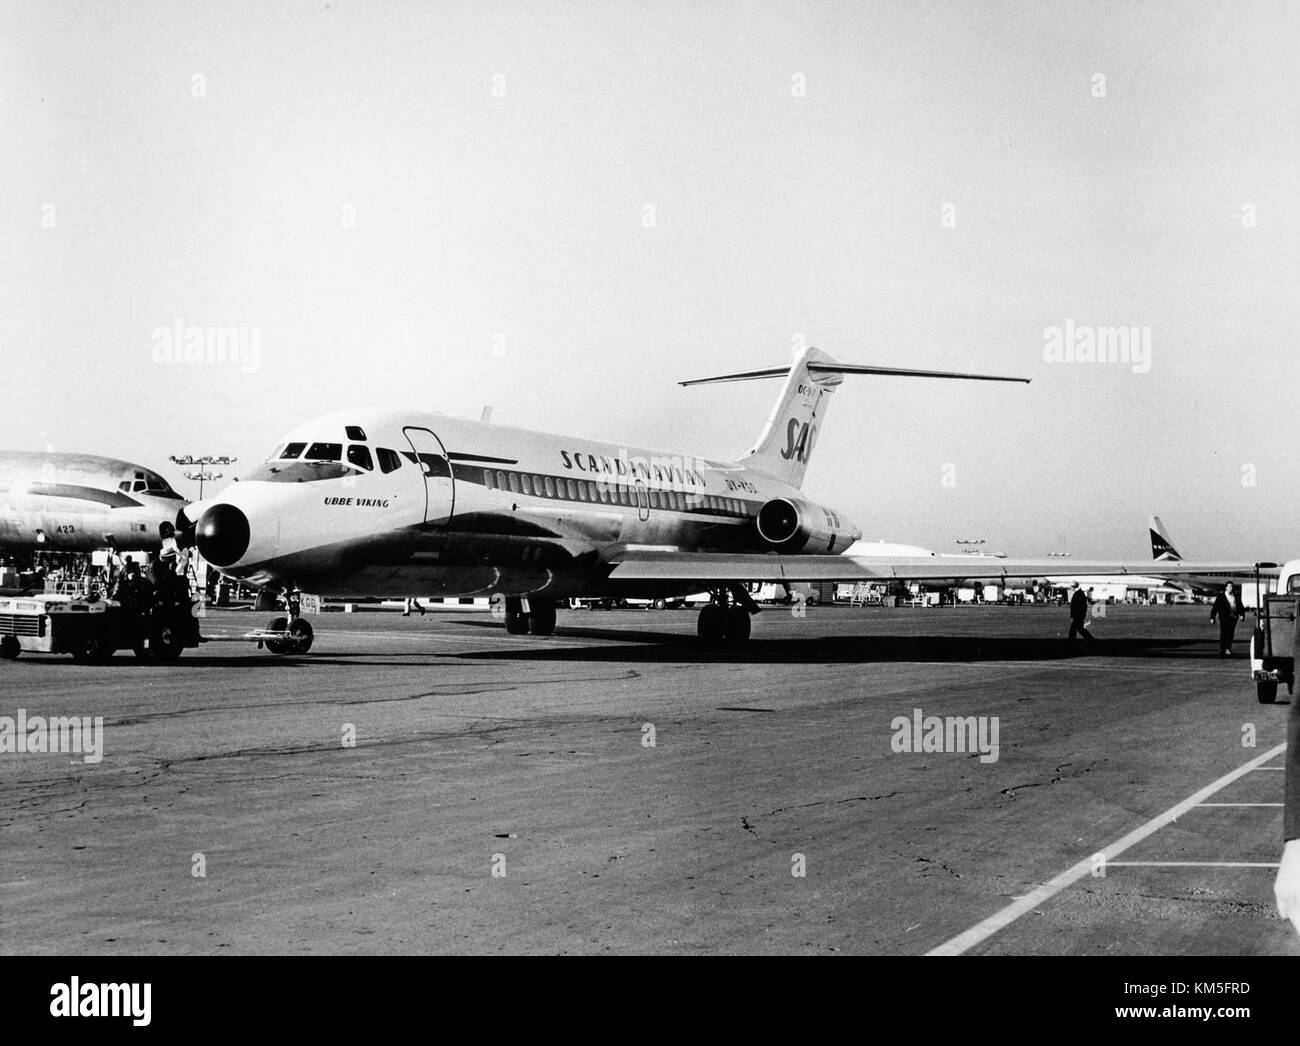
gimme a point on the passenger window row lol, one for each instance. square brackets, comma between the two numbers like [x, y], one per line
[608, 493]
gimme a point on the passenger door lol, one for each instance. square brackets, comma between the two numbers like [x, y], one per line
[439, 487]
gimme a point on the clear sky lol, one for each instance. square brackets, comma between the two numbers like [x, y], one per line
[562, 209]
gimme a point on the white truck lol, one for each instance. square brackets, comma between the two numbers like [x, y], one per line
[1271, 658]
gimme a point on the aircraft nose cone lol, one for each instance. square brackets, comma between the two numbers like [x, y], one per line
[222, 535]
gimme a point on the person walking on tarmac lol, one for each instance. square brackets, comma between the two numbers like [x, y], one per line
[1227, 608]
[1079, 612]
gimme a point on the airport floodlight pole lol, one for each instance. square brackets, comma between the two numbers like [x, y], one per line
[203, 474]
[203, 477]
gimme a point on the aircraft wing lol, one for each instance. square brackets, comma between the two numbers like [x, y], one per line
[677, 565]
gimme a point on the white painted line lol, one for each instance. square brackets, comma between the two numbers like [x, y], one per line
[982, 931]
[1268, 767]
[1241, 804]
[1191, 864]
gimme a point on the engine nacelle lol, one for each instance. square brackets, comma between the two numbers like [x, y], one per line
[790, 525]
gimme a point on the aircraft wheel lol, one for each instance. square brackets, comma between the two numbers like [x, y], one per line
[541, 617]
[301, 635]
[711, 623]
[737, 624]
[661, 604]
[278, 646]
[165, 643]
[10, 648]
[1266, 691]
[516, 619]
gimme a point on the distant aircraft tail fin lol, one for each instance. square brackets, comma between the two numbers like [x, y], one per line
[785, 445]
[1161, 546]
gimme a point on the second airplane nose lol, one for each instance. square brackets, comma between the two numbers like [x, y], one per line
[222, 535]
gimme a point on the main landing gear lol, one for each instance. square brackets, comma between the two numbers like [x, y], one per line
[726, 619]
[535, 614]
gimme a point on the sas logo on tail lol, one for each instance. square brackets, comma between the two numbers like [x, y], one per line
[799, 437]
[1161, 549]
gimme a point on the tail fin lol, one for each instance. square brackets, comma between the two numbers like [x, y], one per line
[786, 443]
[785, 446]
[1161, 546]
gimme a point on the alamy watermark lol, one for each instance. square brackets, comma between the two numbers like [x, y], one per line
[80, 735]
[185, 343]
[932, 733]
[1075, 343]
[72, 998]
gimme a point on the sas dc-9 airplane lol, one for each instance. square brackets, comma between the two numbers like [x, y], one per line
[384, 502]
[80, 502]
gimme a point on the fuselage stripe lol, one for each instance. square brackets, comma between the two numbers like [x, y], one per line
[608, 493]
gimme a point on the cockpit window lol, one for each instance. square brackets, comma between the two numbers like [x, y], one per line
[293, 450]
[324, 452]
[149, 483]
[360, 456]
[355, 432]
[389, 460]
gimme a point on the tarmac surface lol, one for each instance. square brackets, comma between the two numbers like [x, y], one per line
[615, 788]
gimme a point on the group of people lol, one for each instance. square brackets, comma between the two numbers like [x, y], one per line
[160, 585]
[163, 581]
[1227, 610]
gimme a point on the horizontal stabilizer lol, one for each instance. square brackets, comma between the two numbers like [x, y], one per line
[786, 443]
[831, 367]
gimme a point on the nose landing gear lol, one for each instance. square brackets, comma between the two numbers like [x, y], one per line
[294, 635]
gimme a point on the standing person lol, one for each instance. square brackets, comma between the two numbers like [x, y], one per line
[113, 566]
[1078, 612]
[170, 549]
[411, 601]
[1227, 608]
[160, 581]
[131, 590]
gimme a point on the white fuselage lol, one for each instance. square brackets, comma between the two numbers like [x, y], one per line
[81, 502]
[472, 508]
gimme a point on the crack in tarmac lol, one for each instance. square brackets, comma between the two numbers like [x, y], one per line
[1010, 793]
[442, 690]
[831, 802]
